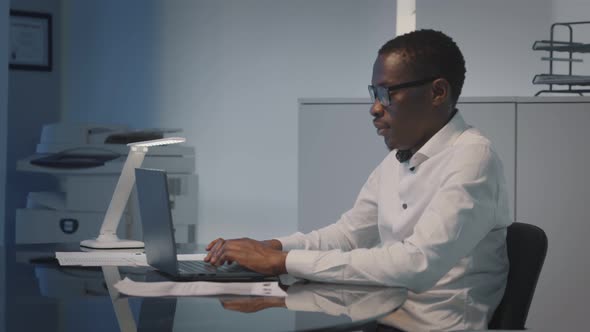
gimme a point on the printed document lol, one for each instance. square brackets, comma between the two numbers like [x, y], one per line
[198, 288]
[101, 258]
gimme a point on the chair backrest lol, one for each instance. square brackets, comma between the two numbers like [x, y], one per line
[527, 248]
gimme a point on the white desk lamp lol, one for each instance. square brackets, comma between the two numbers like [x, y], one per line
[107, 239]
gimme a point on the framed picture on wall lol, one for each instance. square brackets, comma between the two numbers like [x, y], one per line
[30, 41]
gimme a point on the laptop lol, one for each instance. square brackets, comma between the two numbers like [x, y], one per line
[158, 236]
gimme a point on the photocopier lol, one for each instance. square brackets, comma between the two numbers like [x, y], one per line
[87, 161]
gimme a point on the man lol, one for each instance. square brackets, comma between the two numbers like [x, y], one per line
[432, 215]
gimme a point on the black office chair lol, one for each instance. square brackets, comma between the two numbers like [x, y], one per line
[527, 248]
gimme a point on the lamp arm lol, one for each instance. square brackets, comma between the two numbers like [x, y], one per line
[122, 192]
[107, 237]
[120, 304]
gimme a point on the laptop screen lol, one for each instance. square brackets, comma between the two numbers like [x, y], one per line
[156, 219]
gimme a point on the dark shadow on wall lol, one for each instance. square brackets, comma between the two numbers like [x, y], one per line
[112, 61]
[104, 72]
[33, 100]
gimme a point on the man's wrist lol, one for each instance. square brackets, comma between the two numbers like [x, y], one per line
[274, 244]
[281, 265]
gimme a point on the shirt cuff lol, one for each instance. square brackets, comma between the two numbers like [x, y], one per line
[291, 242]
[299, 262]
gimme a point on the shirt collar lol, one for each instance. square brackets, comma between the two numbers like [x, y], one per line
[444, 138]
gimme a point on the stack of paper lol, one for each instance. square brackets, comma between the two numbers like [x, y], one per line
[101, 258]
[198, 288]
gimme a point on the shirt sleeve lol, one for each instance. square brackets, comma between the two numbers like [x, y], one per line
[461, 213]
[357, 228]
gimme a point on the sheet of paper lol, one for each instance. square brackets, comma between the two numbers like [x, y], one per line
[198, 288]
[101, 258]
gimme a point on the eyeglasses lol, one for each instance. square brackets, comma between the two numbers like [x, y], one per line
[383, 93]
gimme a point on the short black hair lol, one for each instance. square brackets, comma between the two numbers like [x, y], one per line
[431, 53]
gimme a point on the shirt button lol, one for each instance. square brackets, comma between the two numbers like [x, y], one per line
[405, 206]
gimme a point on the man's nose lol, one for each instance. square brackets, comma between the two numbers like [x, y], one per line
[377, 109]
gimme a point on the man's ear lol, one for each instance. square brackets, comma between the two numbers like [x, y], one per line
[441, 91]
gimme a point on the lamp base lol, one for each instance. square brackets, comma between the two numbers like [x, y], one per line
[103, 242]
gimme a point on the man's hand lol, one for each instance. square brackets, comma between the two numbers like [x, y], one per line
[258, 256]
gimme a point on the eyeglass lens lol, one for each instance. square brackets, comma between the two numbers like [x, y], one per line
[379, 93]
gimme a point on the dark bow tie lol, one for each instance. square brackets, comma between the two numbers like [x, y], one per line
[403, 155]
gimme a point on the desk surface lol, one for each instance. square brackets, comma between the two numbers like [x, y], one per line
[47, 297]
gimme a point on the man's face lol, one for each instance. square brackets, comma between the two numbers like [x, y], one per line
[404, 123]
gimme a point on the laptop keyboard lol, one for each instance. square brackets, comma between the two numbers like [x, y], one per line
[201, 267]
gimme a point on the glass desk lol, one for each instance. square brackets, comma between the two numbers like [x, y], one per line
[40, 295]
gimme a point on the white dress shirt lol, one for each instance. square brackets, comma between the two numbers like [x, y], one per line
[435, 223]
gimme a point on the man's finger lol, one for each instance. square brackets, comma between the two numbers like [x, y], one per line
[216, 256]
[210, 245]
[214, 251]
[208, 248]
[218, 252]
[223, 257]
[226, 256]
[219, 246]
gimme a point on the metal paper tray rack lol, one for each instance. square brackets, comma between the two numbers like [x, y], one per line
[573, 82]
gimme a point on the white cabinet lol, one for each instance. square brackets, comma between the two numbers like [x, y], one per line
[543, 144]
[553, 192]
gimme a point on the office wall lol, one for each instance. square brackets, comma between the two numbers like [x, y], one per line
[33, 100]
[3, 109]
[3, 117]
[570, 10]
[573, 11]
[228, 72]
[496, 38]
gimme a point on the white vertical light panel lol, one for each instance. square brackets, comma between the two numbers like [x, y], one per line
[406, 17]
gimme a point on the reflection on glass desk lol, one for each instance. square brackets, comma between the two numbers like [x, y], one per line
[41, 295]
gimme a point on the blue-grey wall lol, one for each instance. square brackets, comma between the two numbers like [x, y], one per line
[572, 11]
[3, 109]
[229, 72]
[27, 100]
[3, 117]
[33, 100]
[496, 38]
[111, 61]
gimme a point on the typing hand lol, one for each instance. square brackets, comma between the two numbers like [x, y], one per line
[258, 256]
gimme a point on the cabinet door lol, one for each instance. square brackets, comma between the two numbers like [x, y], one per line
[497, 122]
[553, 192]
